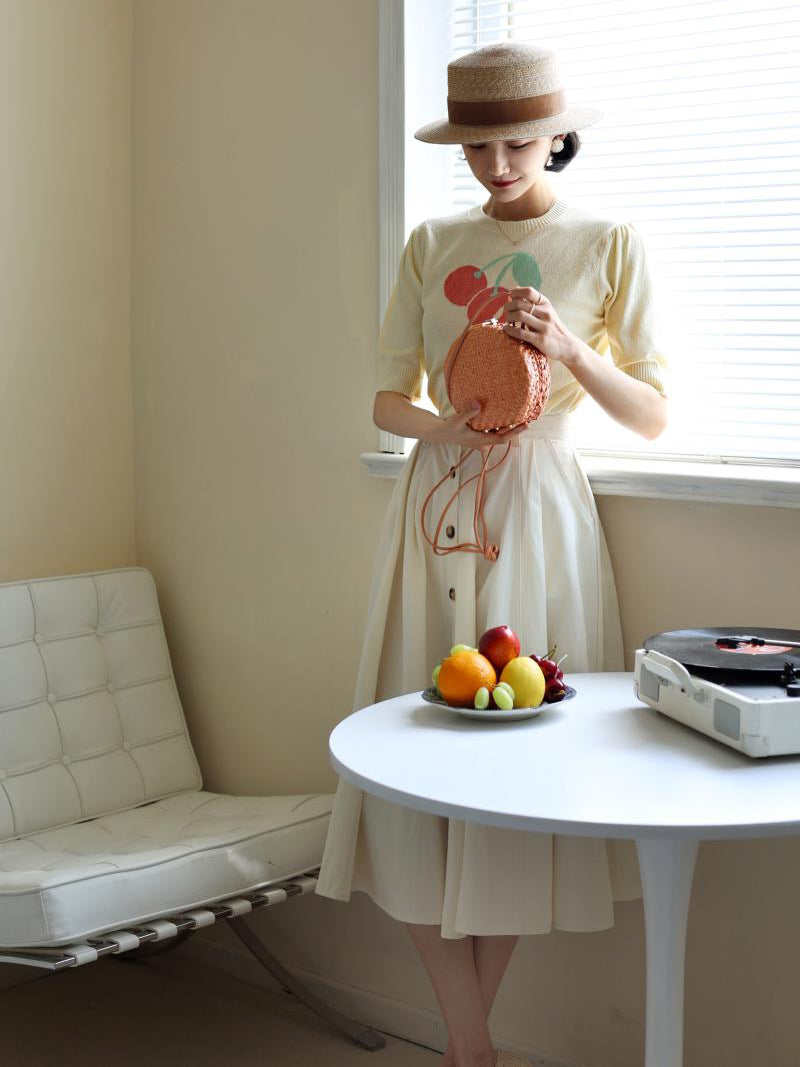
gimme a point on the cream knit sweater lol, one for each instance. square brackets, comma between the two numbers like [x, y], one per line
[593, 270]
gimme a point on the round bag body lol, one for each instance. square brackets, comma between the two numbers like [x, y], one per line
[510, 378]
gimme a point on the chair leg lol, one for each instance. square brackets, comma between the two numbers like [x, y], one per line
[360, 1034]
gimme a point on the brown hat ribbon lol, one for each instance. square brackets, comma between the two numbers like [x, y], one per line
[500, 112]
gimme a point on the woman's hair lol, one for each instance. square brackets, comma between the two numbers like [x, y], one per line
[559, 160]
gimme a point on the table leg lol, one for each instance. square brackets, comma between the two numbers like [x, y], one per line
[667, 868]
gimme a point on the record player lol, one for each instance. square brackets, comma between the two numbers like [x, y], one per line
[739, 685]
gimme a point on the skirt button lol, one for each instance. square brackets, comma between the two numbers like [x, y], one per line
[451, 531]
[452, 593]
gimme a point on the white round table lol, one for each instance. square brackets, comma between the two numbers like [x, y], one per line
[601, 764]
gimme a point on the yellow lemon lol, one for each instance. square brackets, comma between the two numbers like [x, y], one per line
[526, 678]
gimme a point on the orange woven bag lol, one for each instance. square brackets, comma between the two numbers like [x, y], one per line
[511, 380]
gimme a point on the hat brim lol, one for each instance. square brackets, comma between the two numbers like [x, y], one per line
[446, 132]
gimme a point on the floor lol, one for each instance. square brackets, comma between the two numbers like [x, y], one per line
[172, 1010]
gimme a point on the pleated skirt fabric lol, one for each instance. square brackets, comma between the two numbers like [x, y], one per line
[553, 584]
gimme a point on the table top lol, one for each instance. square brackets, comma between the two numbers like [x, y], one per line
[601, 764]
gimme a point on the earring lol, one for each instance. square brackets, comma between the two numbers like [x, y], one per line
[557, 144]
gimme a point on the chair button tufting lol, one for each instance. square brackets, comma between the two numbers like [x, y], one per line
[3, 776]
[450, 531]
[111, 687]
[100, 631]
[65, 760]
[51, 698]
[126, 745]
[452, 593]
[38, 638]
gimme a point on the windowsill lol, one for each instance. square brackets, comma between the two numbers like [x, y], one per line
[656, 479]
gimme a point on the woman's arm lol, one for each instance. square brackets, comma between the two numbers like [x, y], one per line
[395, 413]
[637, 405]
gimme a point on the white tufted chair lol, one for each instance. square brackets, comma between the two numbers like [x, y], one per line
[109, 845]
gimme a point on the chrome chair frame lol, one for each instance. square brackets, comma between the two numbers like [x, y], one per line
[117, 942]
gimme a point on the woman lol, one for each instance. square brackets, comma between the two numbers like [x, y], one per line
[466, 891]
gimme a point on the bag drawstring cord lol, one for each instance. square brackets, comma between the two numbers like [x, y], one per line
[487, 550]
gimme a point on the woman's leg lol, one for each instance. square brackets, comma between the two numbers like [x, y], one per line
[492, 954]
[450, 964]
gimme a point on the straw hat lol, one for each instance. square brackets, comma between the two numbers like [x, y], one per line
[505, 91]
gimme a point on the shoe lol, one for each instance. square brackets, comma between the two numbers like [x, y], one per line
[506, 1058]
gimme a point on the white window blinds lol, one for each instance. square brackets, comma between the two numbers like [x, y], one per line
[699, 147]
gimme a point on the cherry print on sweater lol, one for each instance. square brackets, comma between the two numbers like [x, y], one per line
[468, 286]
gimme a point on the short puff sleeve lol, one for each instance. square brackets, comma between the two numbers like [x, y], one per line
[629, 307]
[401, 354]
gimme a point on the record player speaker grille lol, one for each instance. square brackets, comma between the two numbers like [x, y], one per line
[726, 719]
[649, 685]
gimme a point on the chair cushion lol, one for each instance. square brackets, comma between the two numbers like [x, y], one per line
[90, 719]
[66, 884]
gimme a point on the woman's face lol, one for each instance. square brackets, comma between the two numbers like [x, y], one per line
[519, 162]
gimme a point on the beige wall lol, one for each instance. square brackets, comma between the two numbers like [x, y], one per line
[66, 446]
[254, 297]
[254, 268]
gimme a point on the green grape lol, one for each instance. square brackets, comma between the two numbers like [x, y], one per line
[461, 648]
[435, 676]
[482, 698]
[502, 698]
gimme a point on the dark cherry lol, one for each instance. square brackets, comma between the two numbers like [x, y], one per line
[554, 691]
[549, 667]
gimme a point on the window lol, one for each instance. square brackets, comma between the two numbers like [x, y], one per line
[699, 147]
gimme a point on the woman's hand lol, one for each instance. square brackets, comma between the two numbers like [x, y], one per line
[453, 430]
[539, 325]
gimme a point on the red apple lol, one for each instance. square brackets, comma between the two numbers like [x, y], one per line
[499, 645]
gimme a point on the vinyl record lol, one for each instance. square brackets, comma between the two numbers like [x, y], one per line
[699, 649]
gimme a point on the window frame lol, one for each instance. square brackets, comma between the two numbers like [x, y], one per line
[649, 476]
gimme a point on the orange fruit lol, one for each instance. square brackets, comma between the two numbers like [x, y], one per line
[462, 675]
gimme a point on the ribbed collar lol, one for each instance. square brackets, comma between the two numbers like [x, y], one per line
[516, 229]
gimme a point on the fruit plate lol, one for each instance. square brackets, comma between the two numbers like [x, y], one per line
[493, 714]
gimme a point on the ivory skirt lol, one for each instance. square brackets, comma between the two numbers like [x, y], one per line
[553, 584]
